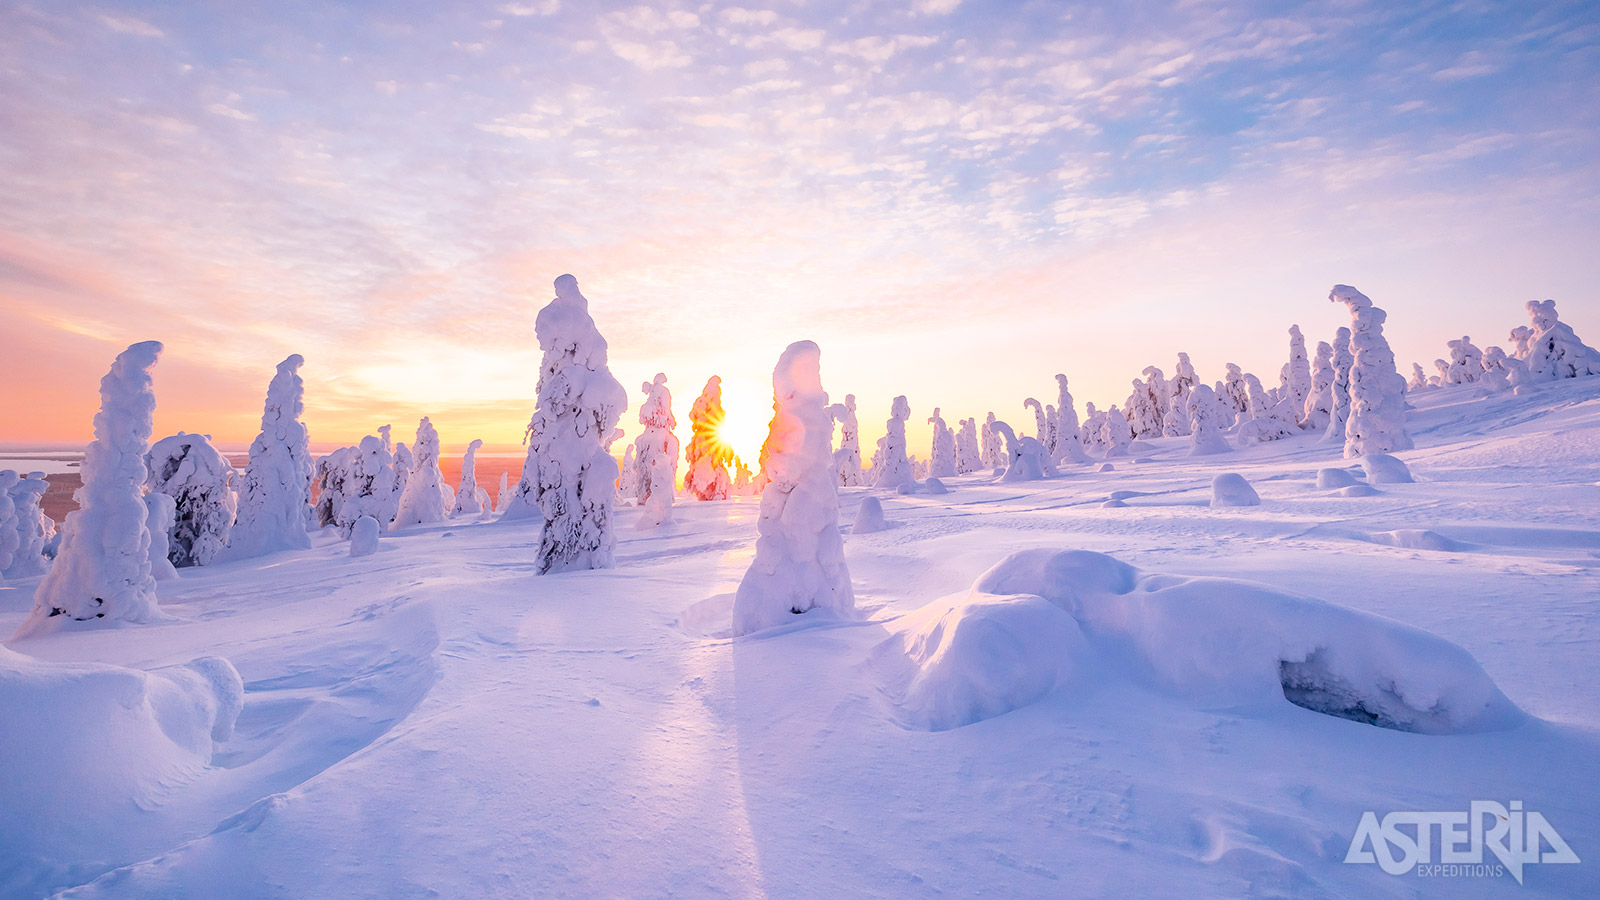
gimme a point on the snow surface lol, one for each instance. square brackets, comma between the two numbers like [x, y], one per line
[437, 719]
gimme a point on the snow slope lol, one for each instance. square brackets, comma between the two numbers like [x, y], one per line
[437, 720]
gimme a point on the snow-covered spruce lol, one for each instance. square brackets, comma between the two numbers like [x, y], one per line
[847, 459]
[942, 459]
[799, 564]
[471, 500]
[275, 500]
[504, 495]
[1237, 393]
[969, 457]
[1419, 379]
[1159, 391]
[10, 523]
[1270, 420]
[627, 478]
[1026, 458]
[1466, 362]
[33, 528]
[1115, 434]
[1377, 392]
[1205, 425]
[656, 454]
[568, 479]
[707, 457]
[1041, 430]
[187, 468]
[1494, 379]
[1140, 414]
[1319, 403]
[992, 447]
[1299, 382]
[160, 512]
[1339, 412]
[102, 569]
[1553, 349]
[427, 499]
[893, 468]
[1069, 438]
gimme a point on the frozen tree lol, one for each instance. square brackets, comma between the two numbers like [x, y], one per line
[942, 458]
[427, 499]
[1115, 434]
[799, 564]
[1093, 429]
[847, 459]
[969, 456]
[1522, 338]
[471, 500]
[160, 512]
[1236, 392]
[569, 480]
[503, 497]
[1051, 433]
[1026, 459]
[1319, 403]
[892, 467]
[405, 462]
[628, 478]
[10, 522]
[1144, 419]
[1494, 378]
[275, 501]
[200, 481]
[1419, 379]
[1377, 392]
[1159, 391]
[102, 568]
[1175, 416]
[1466, 362]
[328, 474]
[742, 483]
[1299, 374]
[1443, 378]
[360, 481]
[1069, 439]
[1205, 423]
[656, 456]
[1518, 376]
[993, 452]
[707, 456]
[1339, 412]
[1270, 419]
[1554, 350]
[33, 528]
[1041, 431]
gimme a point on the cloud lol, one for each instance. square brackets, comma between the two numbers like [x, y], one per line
[543, 8]
[131, 26]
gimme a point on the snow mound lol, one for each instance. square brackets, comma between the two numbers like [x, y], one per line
[954, 664]
[935, 486]
[869, 517]
[908, 488]
[364, 537]
[1230, 489]
[83, 739]
[1417, 539]
[1221, 643]
[1329, 479]
[1114, 503]
[1106, 467]
[1382, 468]
[1360, 490]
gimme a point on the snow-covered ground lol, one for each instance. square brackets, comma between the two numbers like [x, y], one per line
[437, 720]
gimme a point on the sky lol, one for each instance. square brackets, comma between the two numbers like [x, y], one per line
[955, 199]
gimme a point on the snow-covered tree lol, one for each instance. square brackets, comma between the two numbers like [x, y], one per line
[1236, 392]
[1299, 384]
[471, 500]
[1026, 459]
[1319, 403]
[1339, 412]
[1419, 379]
[1093, 429]
[799, 564]
[160, 511]
[33, 528]
[1143, 419]
[102, 569]
[187, 468]
[1494, 378]
[628, 478]
[569, 479]
[1205, 423]
[1518, 376]
[1377, 392]
[656, 454]
[992, 448]
[1115, 433]
[275, 501]
[1554, 350]
[707, 456]
[942, 458]
[427, 499]
[1522, 339]
[743, 484]
[847, 459]
[969, 455]
[507, 490]
[892, 467]
[1466, 362]
[359, 481]
[1041, 430]
[1069, 439]
[1159, 392]
[1270, 419]
[10, 523]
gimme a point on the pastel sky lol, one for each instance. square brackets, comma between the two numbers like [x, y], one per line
[955, 198]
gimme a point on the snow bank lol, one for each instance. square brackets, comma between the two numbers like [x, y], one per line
[1042, 619]
[799, 564]
[102, 569]
[85, 739]
[1230, 489]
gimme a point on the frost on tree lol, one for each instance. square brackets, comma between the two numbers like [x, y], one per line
[1466, 362]
[1553, 349]
[847, 459]
[187, 468]
[427, 499]
[275, 501]
[10, 522]
[1377, 391]
[102, 569]
[1318, 408]
[707, 456]
[942, 459]
[1237, 393]
[1041, 430]
[1270, 419]
[1298, 382]
[799, 564]
[969, 455]
[893, 468]
[471, 500]
[569, 479]
[1339, 413]
[33, 528]
[655, 457]
[1069, 440]
[1494, 378]
[1419, 379]
[1205, 423]
[1115, 433]
[994, 454]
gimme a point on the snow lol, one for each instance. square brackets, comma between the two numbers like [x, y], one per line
[935, 486]
[1553, 351]
[274, 506]
[161, 513]
[869, 517]
[425, 498]
[439, 719]
[942, 456]
[1332, 478]
[364, 536]
[847, 459]
[33, 527]
[656, 454]
[799, 564]
[1381, 468]
[200, 482]
[1231, 489]
[471, 500]
[1377, 422]
[890, 467]
[102, 569]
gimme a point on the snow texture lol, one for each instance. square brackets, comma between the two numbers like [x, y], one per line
[935, 486]
[799, 564]
[1377, 421]
[1230, 489]
[707, 456]
[102, 569]
[200, 482]
[568, 479]
[426, 498]
[10, 522]
[656, 454]
[1115, 434]
[275, 501]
